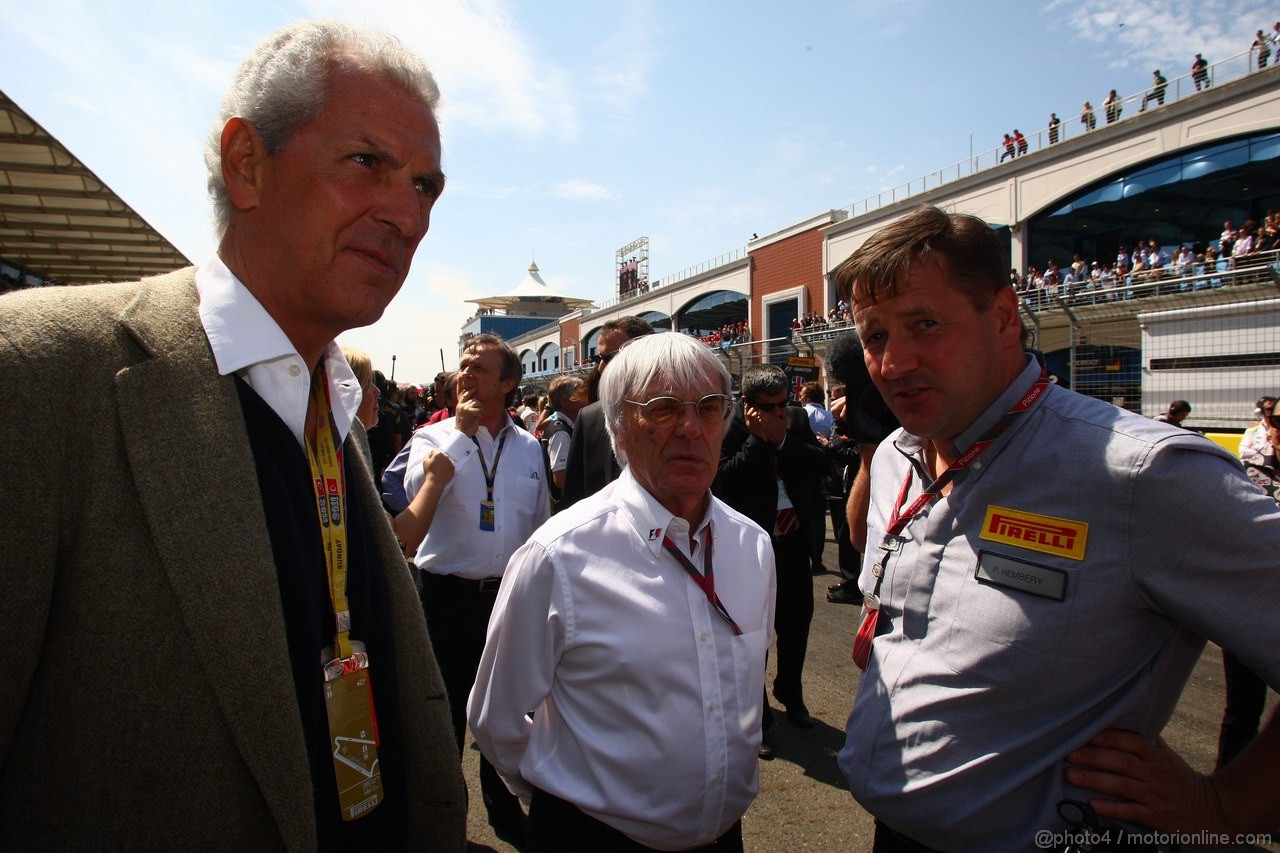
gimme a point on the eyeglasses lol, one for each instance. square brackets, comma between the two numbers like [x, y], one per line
[767, 407]
[602, 358]
[665, 411]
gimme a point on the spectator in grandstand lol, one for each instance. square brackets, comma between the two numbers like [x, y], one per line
[1008, 148]
[1243, 246]
[1200, 72]
[1020, 141]
[1055, 126]
[1112, 107]
[1227, 242]
[1087, 116]
[1261, 48]
[1185, 261]
[1176, 413]
[1157, 257]
[1158, 86]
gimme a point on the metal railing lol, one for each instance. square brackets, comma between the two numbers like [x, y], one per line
[1232, 68]
[695, 270]
[1255, 269]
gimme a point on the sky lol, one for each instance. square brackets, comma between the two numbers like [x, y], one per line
[572, 128]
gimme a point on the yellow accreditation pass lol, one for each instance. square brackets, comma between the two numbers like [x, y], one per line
[348, 699]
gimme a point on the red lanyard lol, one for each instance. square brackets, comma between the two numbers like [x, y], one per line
[705, 580]
[898, 519]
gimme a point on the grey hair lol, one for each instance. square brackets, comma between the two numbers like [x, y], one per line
[764, 380]
[561, 391]
[673, 359]
[281, 86]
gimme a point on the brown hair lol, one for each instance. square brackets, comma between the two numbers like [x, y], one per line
[976, 263]
[511, 366]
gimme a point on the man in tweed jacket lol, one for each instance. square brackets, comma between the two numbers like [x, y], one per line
[160, 693]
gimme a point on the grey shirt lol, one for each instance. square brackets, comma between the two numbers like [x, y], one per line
[1066, 585]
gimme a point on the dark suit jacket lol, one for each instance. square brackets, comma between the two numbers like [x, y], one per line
[591, 465]
[749, 468]
[148, 699]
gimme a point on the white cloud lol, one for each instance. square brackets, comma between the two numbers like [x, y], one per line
[79, 103]
[1165, 34]
[491, 77]
[580, 189]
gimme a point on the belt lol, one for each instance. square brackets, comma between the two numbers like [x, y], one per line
[473, 584]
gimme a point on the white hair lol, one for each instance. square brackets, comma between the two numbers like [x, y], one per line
[672, 358]
[282, 85]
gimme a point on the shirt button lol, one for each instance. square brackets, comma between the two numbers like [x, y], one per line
[716, 778]
[294, 370]
[703, 638]
[977, 466]
[712, 706]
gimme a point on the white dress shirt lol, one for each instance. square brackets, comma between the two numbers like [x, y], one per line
[246, 341]
[455, 544]
[647, 706]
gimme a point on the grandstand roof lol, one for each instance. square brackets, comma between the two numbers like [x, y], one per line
[60, 221]
[530, 290]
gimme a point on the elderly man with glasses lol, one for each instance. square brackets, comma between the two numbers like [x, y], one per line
[621, 682]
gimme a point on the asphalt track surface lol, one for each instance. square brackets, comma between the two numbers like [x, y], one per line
[804, 804]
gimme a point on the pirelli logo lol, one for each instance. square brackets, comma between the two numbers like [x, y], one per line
[1042, 533]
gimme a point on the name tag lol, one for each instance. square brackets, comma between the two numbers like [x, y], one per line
[1007, 572]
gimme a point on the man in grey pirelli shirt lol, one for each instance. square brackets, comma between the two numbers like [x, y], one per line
[1043, 570]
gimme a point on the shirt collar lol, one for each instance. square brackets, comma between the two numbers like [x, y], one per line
[240, 331]
[244, 337]
[651, 519]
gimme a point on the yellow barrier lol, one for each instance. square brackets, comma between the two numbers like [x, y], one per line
[1228, 440]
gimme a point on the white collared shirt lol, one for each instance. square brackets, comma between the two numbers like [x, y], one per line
[455, 544]
[246, 341]
[647, 707]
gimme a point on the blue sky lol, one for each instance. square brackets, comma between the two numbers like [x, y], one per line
[571, 128]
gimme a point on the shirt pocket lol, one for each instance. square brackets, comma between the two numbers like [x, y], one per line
[525, 495]
[1000, 635]
[748, 675]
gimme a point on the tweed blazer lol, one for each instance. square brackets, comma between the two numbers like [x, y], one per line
[148, 702]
